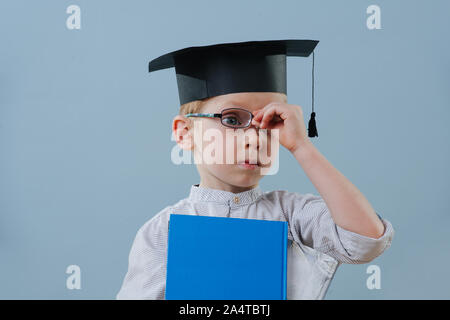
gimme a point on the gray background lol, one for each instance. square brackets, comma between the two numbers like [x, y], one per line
[85, 131]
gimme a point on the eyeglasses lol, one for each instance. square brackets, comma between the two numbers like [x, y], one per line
[230, 117]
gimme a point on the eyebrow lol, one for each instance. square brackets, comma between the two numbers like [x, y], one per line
[230, 104]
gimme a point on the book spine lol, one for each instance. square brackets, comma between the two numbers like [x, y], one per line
[284, 259]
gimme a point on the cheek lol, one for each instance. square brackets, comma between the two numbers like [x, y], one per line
[212, 141]
[206, 133]
[223, 171]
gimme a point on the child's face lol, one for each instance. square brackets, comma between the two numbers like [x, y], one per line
[224, 174]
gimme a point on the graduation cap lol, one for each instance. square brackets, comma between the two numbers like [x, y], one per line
[252, 66]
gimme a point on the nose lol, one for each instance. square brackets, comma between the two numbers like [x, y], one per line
[253, 133]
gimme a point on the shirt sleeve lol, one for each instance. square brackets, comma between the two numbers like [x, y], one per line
[315, 226]
[146, 275]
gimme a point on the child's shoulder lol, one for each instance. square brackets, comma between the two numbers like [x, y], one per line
[161, 219]
[290, 196]
[291, 202]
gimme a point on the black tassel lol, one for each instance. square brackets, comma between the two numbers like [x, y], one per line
[312, 129]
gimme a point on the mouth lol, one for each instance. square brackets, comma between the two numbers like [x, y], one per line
[247, 165]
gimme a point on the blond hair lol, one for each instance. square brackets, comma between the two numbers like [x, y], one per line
[197, 105]
[192, 107]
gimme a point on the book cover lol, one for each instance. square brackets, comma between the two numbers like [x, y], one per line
[218, 258]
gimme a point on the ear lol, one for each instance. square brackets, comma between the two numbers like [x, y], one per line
[181, 127]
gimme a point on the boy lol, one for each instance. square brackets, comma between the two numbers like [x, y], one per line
[242, 87]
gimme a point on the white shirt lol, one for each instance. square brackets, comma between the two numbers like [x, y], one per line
[316, 244]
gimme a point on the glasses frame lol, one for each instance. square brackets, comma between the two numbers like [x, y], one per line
[220, 115]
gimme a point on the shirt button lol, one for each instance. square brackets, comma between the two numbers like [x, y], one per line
[236, 199]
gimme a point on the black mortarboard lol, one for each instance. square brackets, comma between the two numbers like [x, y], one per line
[253, 66]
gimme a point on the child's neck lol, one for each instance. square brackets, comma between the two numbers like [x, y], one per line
[220, 185]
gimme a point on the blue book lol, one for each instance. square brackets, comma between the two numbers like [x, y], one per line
[217, 258]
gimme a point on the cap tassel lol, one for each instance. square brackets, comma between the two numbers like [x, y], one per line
[312, 129]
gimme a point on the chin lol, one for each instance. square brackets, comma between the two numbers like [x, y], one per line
[243, 181]
[231, 175]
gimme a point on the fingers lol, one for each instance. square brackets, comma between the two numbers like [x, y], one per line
[256, 119]
[264, 116]
[271, 112]
[267, 117]
[258, 115]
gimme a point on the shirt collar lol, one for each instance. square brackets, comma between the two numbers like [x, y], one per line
[198, 193]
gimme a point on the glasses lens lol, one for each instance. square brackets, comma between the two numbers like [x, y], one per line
[236, 118]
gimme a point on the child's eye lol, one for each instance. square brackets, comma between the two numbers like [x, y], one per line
[231, 120]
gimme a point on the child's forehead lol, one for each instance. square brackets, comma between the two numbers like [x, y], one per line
[218, 107]
[247, 101]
